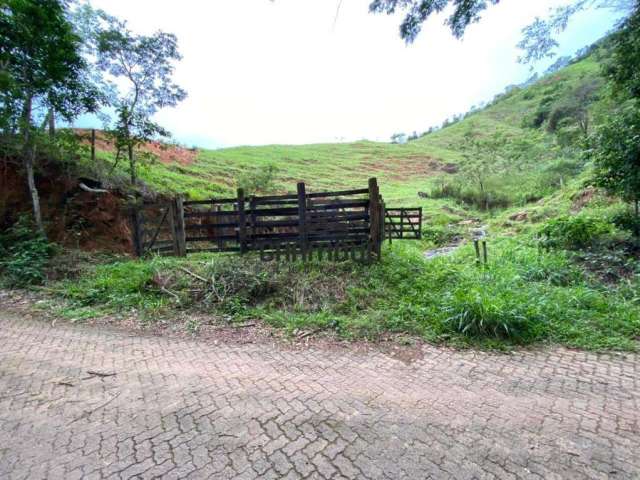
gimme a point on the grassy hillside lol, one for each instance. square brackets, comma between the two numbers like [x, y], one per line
[562, 266]
[403, 170]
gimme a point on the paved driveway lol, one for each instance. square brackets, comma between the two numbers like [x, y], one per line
[171, 408]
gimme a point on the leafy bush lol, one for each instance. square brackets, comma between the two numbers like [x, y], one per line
[626, 220]
[573, 232]
[24, 254]
[260, 180]
[440, 235]
[483, 200]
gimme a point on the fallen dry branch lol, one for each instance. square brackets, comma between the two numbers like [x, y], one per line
[194, 275]
[98, 373]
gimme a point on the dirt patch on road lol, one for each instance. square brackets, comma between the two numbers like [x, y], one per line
[212, 329]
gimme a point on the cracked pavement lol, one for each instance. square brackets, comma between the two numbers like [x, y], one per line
[157, 407]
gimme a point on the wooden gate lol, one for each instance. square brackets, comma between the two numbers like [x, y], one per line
[156, 228]
[403, 223]
[333, 225]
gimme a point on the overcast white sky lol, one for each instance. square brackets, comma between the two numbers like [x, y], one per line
[262, 72]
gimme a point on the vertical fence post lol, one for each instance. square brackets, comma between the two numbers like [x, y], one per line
[476, 245]
[383, 216]
[136, 230]
[242, 222]
[181, 237]
[93, 144]
[252, 218]
[171, 216]
[484, 251]
[302, 220]
[374, 218]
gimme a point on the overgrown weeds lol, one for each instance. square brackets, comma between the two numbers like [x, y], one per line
[524, 295]
[24, 255]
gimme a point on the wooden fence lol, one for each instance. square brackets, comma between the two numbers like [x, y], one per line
[332, 225]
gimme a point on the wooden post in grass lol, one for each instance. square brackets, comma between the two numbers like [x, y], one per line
[180, 234]
[476, 245]
[171, 217]
[484, 251]
[242, 222]
[302, 220]
[374, 218]
[93, 145]
[136, 230]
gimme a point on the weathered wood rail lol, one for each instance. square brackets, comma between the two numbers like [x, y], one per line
[305, 225]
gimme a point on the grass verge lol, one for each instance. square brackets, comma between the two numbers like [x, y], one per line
[524, 296]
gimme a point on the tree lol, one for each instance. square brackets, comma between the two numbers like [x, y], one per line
[615, 152]
[146, 63]
[576, 106]
[615, 146]
[482, 160]
[399, 138]
[622, 70]
[418, 11]
[42, 67]
[538, 38]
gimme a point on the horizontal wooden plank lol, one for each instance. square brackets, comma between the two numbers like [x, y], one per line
[293, 201]
[274, 223]
[267, 198]
[210, 226]
[337, 216]
[206, 214]
[210, 238]
[292, 238]
[211, 201]
[213, 249]
[333, 206]
[357, 191]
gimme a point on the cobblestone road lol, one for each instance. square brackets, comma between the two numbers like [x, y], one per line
[169, 408]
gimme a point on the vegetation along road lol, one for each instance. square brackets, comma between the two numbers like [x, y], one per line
[78, 402]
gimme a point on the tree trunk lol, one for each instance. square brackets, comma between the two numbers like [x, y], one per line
[132, 165]
[637, 229]
[52, 122]
[33, 190]
[29, 154]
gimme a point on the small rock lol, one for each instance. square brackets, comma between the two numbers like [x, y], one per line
[519, 217]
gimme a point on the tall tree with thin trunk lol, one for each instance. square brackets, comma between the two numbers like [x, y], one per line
[146, 63]
[42, 65]
[614, 147]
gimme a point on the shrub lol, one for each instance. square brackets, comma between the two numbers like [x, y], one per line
[573, 233]
[24, 254]
[440, 235]
[260, 180]
[483, 200]
[626, 220]
[478, 311]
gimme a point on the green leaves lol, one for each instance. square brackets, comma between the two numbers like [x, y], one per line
[24, 255]
[574, 232]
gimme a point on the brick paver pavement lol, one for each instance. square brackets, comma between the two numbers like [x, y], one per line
[190, 409]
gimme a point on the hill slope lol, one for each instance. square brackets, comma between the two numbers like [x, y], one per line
[532, 159]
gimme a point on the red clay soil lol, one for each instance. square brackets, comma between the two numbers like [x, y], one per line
[74, 217]
[165, 153]
[582, 199]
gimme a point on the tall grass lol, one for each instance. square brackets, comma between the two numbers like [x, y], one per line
[523, 296]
